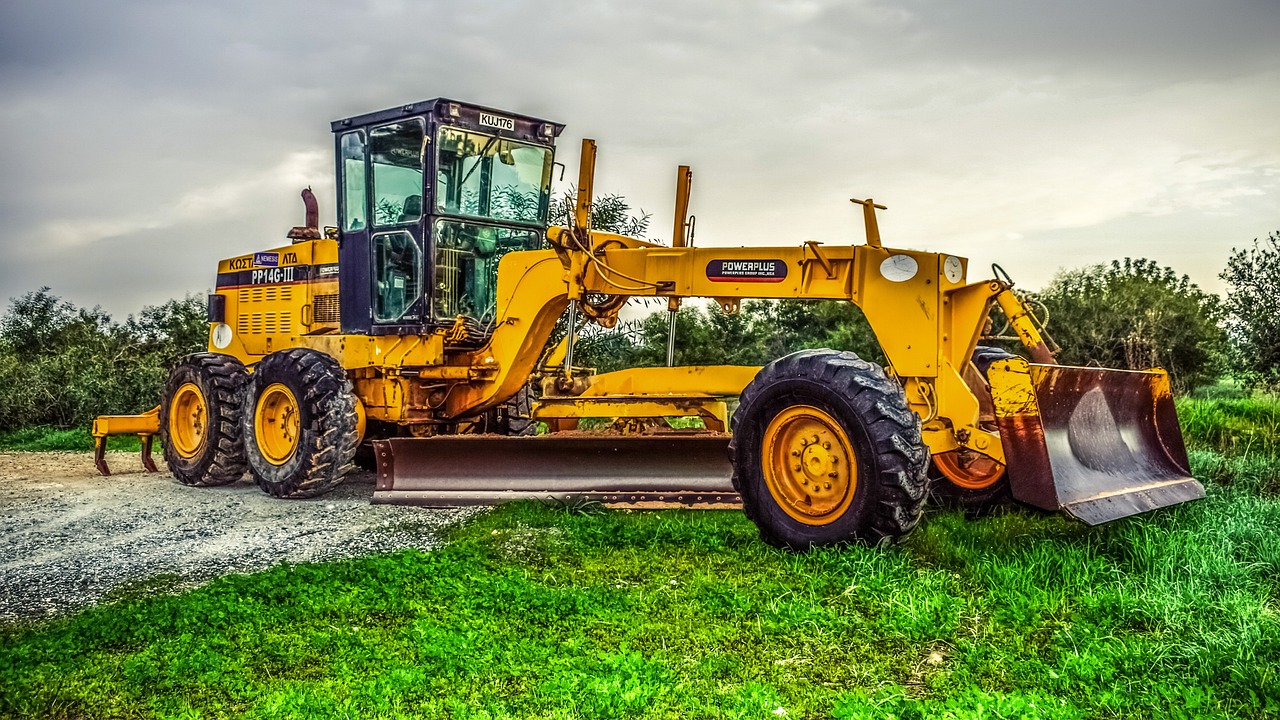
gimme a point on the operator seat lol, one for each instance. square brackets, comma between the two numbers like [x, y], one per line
[412, 209]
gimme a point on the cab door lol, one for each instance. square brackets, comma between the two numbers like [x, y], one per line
[382, 250]
[397, 161]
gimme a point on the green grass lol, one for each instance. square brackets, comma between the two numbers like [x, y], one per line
[541, 612]
[47, 439]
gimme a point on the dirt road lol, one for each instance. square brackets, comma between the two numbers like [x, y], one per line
[69, 536]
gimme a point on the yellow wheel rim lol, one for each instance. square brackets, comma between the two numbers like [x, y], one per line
[276, 424]
[976, 472]
[809, 466]
[188, 420]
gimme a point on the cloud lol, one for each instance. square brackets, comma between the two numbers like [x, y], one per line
[201, 205]
[155, 137]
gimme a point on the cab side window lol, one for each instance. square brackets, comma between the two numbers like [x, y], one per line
[395, 154]
[354, 198]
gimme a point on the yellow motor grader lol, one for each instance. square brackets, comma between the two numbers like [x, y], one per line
[415, 330]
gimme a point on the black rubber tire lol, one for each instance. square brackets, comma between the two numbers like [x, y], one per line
[328, 434]
[221, 380]
[984, 355]
[885, 435]
[365, 460]
[518, 413]
[975, 503]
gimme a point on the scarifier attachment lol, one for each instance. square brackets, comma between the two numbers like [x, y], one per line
[488, 469]
[1097, 444]
[146, 426]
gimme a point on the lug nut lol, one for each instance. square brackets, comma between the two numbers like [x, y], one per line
[831, 474]
[826, 446]
[826, 486]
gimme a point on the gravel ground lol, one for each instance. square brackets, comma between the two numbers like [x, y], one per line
[70, 536]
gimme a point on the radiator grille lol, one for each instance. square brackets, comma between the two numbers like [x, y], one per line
[265, 293]
[326, 308]
[264, 323]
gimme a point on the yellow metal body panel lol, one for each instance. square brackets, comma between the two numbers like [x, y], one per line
[287, 297]
[694, 391]
[690, 381]
[276, 297]
[639, 406]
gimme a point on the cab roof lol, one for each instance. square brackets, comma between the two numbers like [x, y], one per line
[438, 107]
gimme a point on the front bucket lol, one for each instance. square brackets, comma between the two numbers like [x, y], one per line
[1097, 444]
[490, 469]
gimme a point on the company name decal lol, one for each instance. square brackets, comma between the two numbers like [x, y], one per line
[746, 271]
[266, 259]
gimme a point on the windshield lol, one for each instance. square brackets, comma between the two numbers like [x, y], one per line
[466, 269]
[491, 177]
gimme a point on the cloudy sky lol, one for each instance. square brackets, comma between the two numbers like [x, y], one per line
[147, 139]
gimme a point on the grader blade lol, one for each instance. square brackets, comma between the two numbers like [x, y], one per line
[1097, 444]
[488, 469]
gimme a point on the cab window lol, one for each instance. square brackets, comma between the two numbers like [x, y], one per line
[353, 188]
[395, 154]
[466, 269]
[398, 275]
[491, 177]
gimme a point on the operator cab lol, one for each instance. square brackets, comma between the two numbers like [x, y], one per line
[430, 197]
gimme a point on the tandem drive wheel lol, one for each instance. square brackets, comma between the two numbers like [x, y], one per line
[825, 451]
[200, 420]
[300, 423]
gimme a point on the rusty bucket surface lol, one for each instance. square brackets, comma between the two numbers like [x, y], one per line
[489, 469]
[1095, 443]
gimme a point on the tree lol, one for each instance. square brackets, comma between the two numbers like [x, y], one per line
[62, 365]
[762, 331]
[609, 213]
[1253, 312]
[1136, 314]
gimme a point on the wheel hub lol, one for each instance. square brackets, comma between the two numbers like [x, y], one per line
[277, 424]
[809, 465]
[969, 470]
[188, 420]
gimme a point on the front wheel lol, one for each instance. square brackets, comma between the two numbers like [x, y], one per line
[301, 426]
[826, 451]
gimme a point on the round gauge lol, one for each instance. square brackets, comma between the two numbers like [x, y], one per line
[953, 269]
[221, 335]
[899, 268]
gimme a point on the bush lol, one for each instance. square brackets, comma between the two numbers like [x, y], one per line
[1253, 296]
[61, 365]
[1136, 314]
[762, 331]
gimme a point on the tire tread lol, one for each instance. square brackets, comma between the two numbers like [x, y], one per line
[893, 431]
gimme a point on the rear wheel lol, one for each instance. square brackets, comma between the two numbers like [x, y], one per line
[825, 451]
[300, 423]
[200, 420]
